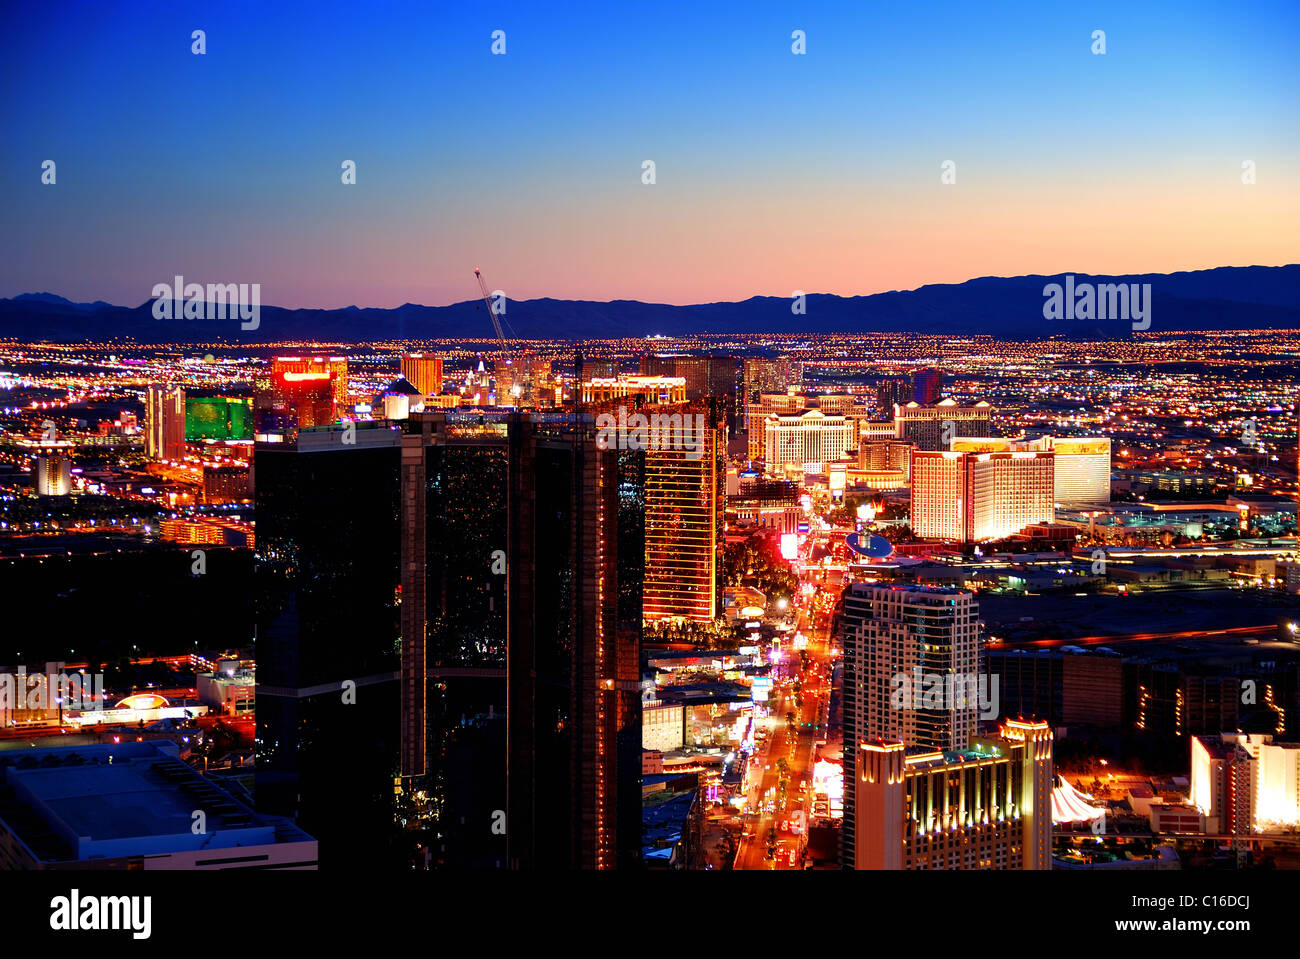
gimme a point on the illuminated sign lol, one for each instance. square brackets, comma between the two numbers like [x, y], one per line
[761, 689]
[789, 546]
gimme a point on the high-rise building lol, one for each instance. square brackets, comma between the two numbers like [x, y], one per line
[165, 422]
[985, 806]
[327, 628]
[337, 365]
[308, 398]
[927, 386]
[53, 474]
[705, 376]
[893, 390]
[526, 383]
[885, 454]
[772, 376]
[895, 640]
[685, 496]
[934, 427]
[650, 389]
[424, 372]
[520, 697]
[218, 418]
[227, 484]
[883, 464]
[763, 406]
[1082, 469]
[810, 437]
[313, 390]
[1246, 784]
[836, 404]
[976, 496]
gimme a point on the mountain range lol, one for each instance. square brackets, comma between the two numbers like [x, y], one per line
[1250, 297]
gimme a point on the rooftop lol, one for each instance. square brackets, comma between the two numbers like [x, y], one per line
[128, 799]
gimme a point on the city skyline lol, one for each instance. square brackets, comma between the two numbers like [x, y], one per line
[465, 440]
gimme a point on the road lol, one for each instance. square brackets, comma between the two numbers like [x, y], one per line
[794, 745]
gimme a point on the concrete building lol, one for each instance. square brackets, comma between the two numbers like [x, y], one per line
[53, 475]
[763, 406]
[298, 366]
[768, 376]
[684, 504]
[767, 504]
[663, 726]
[893, 389]
[541, 649]
[649, 389]
[927, 386]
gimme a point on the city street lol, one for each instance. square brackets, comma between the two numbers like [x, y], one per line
[781, 827]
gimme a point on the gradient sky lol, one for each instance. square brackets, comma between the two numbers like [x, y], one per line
[775, 172]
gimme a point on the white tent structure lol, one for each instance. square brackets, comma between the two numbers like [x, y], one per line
[1070, 805]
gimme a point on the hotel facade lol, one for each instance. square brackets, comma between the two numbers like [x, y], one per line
[988, 806]
[975, 496]
[810, 437]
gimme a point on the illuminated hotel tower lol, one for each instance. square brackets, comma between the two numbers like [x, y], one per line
[424, 372]
[165, 423]
[53, 474]
[1081, 466]
[894, 638]
[933, 427]
[975, 495]
[684, 497]
[293, 377]
[909, 632]
[988, 806]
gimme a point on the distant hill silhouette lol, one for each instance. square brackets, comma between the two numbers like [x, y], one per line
[1249, 297]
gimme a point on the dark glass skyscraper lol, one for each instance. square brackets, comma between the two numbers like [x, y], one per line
[520, 705]
[327, 639]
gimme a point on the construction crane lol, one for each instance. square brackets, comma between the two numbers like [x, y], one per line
[496, 324]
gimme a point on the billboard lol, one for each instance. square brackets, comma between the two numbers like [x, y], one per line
[218, 418]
